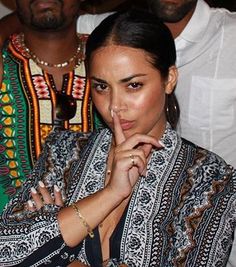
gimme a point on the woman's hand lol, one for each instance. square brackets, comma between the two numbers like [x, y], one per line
[129, 162]
[130, 159]
[43, 196]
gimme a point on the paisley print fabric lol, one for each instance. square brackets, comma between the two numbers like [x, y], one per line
[181, 213]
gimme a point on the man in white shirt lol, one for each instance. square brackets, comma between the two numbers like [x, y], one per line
[206, 90]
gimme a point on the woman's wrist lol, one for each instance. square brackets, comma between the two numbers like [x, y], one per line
[115, 196]
[89, 211]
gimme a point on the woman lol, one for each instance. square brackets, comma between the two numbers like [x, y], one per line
[130, 198]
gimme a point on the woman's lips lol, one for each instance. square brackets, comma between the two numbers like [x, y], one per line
[126, 125]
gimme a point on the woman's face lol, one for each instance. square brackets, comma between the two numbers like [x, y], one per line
[123, 80]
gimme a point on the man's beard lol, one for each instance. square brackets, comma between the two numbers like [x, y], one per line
[48, 21]
[169, 12]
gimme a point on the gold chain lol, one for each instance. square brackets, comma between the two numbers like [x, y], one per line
[78, 55]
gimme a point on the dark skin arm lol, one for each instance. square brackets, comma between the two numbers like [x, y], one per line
[102, 6]
[8, 25]
[97, 7]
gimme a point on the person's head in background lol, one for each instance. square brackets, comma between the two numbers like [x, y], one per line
[172, 11]
[131, 66]
[47, 15]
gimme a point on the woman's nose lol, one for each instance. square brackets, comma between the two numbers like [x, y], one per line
[114, 108]
[116, 103]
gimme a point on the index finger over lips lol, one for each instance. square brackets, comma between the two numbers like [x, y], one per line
[118, 132]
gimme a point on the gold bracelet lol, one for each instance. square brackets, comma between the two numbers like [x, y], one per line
[89, 230]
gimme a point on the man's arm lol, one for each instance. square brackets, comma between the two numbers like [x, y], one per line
[102, 6]
[8, 25]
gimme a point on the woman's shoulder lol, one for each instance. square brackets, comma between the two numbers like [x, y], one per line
[206, 163]
[66, 140]
[206, 200]
[59, 138]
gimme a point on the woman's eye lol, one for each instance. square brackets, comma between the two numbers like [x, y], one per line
[99, 86]
[135, 85]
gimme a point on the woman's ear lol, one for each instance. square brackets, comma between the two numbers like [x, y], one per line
[171, 80]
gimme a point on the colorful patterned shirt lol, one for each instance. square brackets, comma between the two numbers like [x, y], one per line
[27, 109]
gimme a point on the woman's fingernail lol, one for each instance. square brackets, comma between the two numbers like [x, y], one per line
[161, 143]
[112, 113]
[33, 190]
[30, 203]
[41, 184]
[57, 189]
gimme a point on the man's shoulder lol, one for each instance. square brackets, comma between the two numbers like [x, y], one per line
[88, 22]
[224, 17]
[230, 21]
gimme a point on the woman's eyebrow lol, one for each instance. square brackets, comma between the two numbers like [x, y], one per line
[124, 80]
[127, 79]
[97, 79]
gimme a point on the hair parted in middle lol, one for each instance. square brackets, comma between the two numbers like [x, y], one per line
[141, 30]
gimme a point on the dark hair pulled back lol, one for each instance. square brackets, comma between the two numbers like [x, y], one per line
[141, 30]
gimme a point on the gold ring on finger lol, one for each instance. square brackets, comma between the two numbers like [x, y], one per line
[132, 159]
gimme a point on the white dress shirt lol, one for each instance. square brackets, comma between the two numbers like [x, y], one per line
[206, 89]
[87, 23]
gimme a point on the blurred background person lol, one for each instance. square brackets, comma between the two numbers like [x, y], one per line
[43, 86]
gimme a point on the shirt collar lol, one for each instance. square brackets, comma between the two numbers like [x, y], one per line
[197, 25]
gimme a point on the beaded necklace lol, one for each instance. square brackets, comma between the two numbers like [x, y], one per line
[79, 56]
